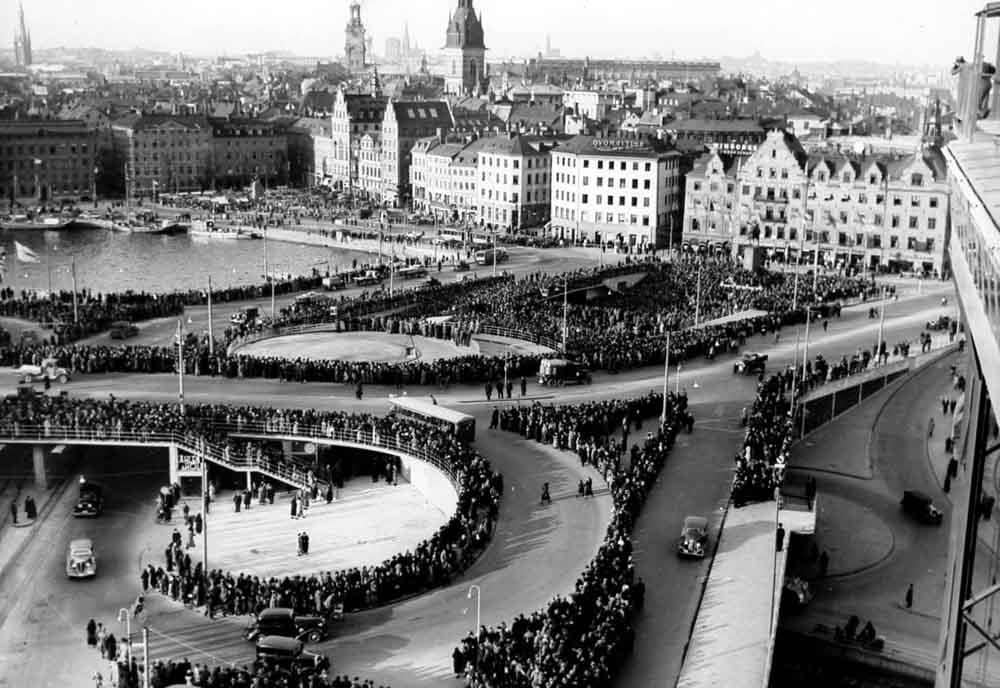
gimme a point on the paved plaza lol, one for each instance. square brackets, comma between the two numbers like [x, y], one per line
[355, 346]
[366, 524]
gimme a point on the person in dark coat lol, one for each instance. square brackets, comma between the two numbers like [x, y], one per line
[92, 633]
[246, 500]
[237, 502]
[305, 542]
[144, 576]
[294, 506]
[329, 492]
[198, 524]
[111, 647]
[458, 662]
[30, 509]
[779, 538]
[524, 386]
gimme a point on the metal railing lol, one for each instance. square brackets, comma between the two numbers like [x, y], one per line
[523, 335]
[197, 445]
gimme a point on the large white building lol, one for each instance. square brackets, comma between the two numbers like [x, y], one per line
[515, 181]
[867, 212]
[621, 190]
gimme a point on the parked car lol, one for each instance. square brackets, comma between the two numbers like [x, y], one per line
[560, 371]
[751, 364]
[90, 502]
[289, 654]
[370, 278]
[123, 330]
[81, 562]
[48, 370]
[921, 507]
[461, 266]
[334, 283]
[694, 537]
[279, 621]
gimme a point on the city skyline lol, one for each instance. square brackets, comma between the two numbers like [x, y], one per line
[576, 29]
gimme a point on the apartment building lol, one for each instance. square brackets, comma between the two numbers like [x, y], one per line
[885, 212]
[46, 160]
[404, 123]
[515, 181]
[243, 150]
[622, 190]
[354, 116]
[174, 151]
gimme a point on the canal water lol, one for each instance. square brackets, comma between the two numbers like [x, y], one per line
[116, 261]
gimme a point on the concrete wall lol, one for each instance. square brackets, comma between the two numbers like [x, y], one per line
[433, 484]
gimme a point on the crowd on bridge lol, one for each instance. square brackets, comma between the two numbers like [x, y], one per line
[432, 563]
[583, 639]
[760, 465]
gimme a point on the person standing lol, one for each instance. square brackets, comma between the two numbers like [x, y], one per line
[779, 538]
[294, 506]
[909, 597]
[524, 385]
[246, 500]
[299, 538]
[510, 387]
[237, 502]
[13, 512]
[305, 543]
[92, 633]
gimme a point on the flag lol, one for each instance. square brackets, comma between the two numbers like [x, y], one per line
[25, 254]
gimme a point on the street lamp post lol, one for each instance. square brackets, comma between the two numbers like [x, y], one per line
[479, 598]
[881, 325]
[565, 327]
[125, 617]
[666, 376]
[180, 363]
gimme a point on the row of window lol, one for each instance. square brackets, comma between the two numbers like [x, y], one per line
[47, 149]
[843, 238]
[570, 161]
[847, 177]
[561, 213]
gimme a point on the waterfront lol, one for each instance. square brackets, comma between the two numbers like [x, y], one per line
[115, 261]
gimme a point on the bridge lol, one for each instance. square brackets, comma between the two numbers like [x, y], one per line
[435, 477]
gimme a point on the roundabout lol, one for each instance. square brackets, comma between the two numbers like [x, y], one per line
[356, 347]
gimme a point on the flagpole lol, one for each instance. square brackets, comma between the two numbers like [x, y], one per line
[211, 340]
[76, 313]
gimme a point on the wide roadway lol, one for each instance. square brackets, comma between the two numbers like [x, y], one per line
[537, 552]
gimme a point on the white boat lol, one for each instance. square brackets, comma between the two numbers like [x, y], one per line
[148, 225]
[44, 223]
[216, 230]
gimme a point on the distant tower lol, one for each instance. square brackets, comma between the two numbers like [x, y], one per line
[355, 44]
[375, 84]
[548, 45]
[22, 41]
[406, 40]
[464, 53]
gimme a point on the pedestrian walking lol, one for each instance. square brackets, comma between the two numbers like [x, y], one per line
[294, 507]
[305, 543]
[92, 633]
[198, 523]
[779, 538]
[299, 537]
[524, 385]
[930, 428]
[510, 386]
[246, 500]
[190, 542]
[909, 597]
[101, 638]
[489, 391]
[237, 502]
[30, 510]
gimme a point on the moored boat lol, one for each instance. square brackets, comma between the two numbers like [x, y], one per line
[46, 223]
[216, 230]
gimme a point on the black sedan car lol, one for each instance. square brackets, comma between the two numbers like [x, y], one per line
[90, 503]
[750, 364]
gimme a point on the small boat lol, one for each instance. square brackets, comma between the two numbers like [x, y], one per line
[46, 223]
[213, 230]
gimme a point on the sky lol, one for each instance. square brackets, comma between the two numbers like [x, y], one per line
[886, 31]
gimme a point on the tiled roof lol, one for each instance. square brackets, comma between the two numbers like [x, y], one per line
[364, 108]
[716, 126]
[147, 121]
[422, 113]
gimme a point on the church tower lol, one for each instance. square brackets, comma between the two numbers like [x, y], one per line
[464, 53]
[22, 41]
[355, 45]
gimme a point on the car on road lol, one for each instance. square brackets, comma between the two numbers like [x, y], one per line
[694, 537]
[289, 654]
[90, 502]
[461, 266]
[921, 507]
[282, 622]
[245, 316]
[560, 371]
[369, 279]
[48, 370]
[750, 364]
[81, 562]
[942, 323]
[334, 283]
[123, 330]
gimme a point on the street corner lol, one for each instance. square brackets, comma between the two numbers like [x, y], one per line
[853, 536]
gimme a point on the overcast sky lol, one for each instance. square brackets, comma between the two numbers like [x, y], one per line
[888, 31]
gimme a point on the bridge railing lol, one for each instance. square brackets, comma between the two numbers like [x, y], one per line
[197, 445]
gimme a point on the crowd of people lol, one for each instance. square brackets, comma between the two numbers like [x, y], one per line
[186, 673]
[621, 330]
[760, 465]
[432, 563]
[584, 638]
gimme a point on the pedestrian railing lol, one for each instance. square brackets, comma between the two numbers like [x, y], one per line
[197, 445]
[523, 335]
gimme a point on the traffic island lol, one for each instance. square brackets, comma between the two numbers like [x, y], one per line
[853, 536]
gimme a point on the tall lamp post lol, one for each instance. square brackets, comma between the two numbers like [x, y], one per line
[666, 377]
[479, 626]
[180, 363]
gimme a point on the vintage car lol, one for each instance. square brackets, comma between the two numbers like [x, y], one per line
[245, 316]
[942, 323]
[921, 507]
[48, 370]
[694, 537]
[370, 278]
[750, 364]
[278, 621]
[560, 371]
[123, 330]
[90, 503]
[334, 283]
[289, 654]
[80, 560]
[461, 266]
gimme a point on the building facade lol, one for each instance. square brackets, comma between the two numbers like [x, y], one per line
[515, 181]
[464, 53]
[624, 191]
[369, 178]
[307, 137]
[47, 160]
[730, 137]
[164, 152]
[404, 123]
[355, 115]
[244, 150]
[22, 40]
[443, 179]
[881, 213]
[355, 45]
